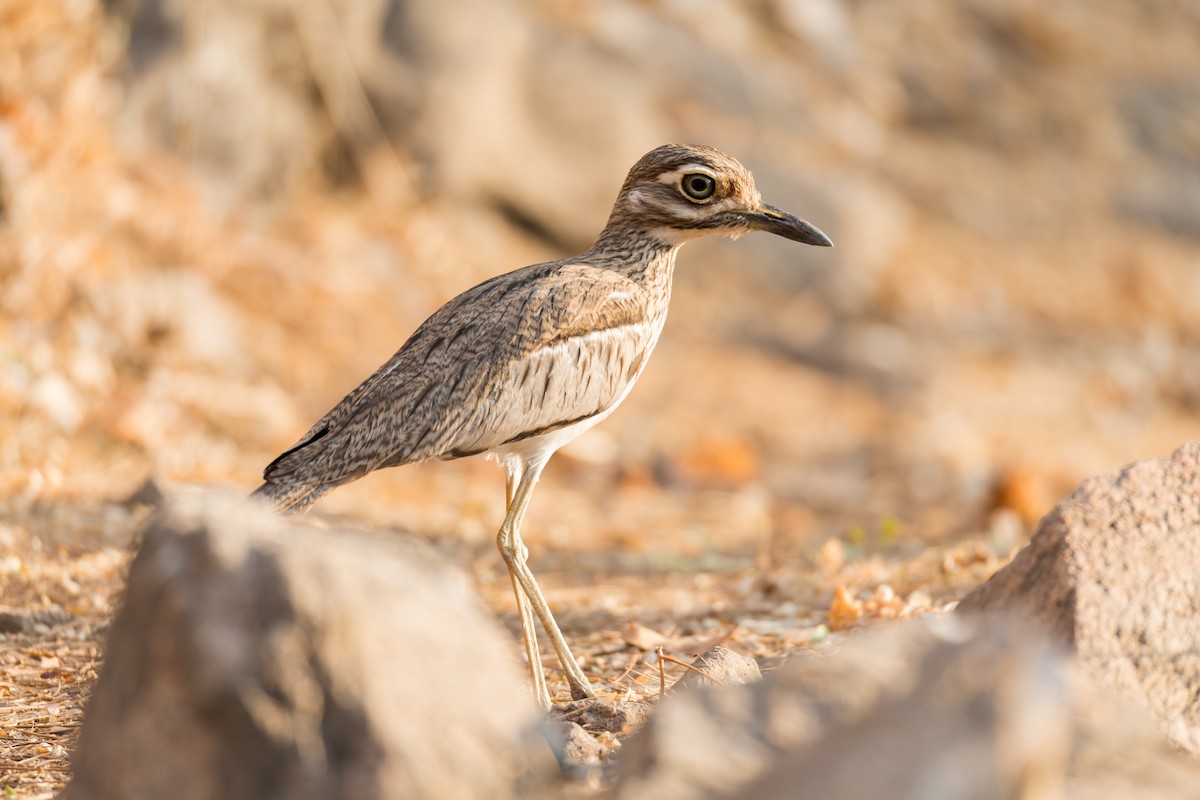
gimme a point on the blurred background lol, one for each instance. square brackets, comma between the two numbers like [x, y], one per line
[217, 217]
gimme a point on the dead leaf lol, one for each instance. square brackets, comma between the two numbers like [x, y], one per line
[641, 637]
[845, 610]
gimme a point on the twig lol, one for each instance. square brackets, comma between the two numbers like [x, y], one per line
[633, 662]
[662, 675]
[663, 657]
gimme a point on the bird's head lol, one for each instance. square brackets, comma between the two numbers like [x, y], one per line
[681, 191]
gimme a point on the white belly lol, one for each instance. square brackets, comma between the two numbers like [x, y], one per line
[535, 451]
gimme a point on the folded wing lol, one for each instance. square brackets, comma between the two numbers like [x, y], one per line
[520, 355]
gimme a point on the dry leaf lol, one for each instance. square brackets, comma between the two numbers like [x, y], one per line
[845, 610]
[641, 637]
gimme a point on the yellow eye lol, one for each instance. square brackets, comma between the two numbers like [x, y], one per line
[697, 186]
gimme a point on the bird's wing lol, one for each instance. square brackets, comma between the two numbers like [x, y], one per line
[516, 356]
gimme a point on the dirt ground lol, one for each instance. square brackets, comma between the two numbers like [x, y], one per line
[64, 568]
[212, 226]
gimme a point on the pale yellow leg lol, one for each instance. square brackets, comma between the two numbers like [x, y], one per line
[528, 630]
[515, 554]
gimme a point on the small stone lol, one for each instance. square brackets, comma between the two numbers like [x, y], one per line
[618, 717]
[572, 745]
[722, 667]
[12, 622]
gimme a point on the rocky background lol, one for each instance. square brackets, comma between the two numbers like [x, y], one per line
[216, 218]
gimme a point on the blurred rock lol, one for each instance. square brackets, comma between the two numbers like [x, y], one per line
[26, 620]
[981, 714]
[573, 746]
[715, 739]
[231, 88]
[1161, 116]
[339, 85]
[254, 658]
[1111, 571]
[944, 708]
[564, 118]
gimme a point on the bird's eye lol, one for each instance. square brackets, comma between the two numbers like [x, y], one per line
[698, 186]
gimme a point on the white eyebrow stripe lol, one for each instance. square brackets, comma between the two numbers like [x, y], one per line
[675, 175]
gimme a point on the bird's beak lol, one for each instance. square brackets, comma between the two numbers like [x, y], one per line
[772, 220]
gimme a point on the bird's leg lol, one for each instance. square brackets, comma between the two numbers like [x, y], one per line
[512, 477]
[514, 553]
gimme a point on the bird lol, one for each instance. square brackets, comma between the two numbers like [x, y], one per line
[521, 364]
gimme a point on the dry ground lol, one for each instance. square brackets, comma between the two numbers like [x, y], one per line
[63, 570]
[58, 595]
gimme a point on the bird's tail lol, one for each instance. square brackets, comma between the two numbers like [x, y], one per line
[289, 498]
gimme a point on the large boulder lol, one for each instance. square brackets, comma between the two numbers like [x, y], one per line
[257, 658]
[1112, 571]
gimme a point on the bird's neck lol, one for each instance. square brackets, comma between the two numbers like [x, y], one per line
[641, 255]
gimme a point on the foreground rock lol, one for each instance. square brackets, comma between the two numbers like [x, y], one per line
[953, 708]
[1112, 572]
[254, 659]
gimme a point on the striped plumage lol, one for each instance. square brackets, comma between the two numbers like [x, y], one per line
[521, 355]
[520, 364]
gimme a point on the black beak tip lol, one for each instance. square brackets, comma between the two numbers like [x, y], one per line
[771, 219]
[809, 234]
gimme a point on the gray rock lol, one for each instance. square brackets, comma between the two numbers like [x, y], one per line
[927, 709]
[1111, 571]
[24, 620]
[254, 658]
